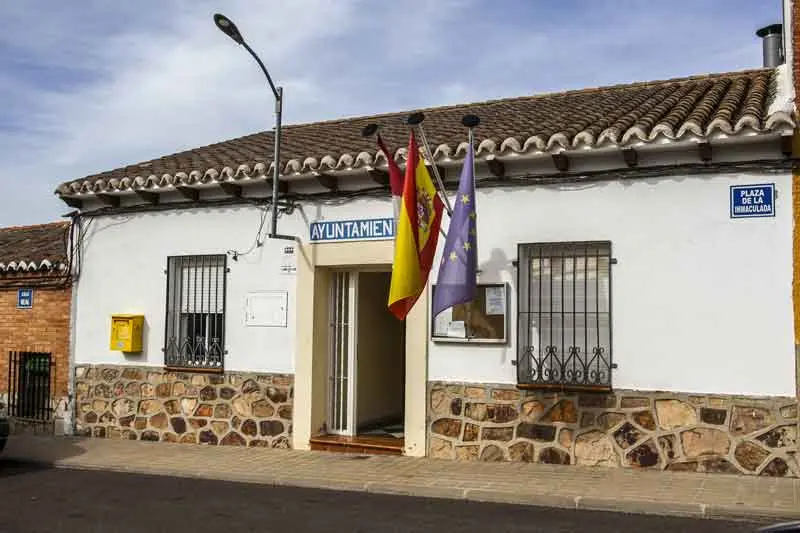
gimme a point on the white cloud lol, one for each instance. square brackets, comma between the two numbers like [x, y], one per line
[91, 86]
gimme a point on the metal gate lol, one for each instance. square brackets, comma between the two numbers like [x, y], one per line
[342, 353]
[31, 382]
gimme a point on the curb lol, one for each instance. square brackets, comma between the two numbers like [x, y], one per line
[649, 507]
[389, 488]
[727, 512]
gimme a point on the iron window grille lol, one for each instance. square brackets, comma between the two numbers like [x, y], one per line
[564, 328]
[195, 317]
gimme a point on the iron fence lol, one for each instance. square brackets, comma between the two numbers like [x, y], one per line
[31, 384]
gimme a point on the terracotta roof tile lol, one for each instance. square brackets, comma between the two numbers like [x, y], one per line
[32, 248]
[616, 115]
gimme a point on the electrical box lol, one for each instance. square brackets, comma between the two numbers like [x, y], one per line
[126, 333]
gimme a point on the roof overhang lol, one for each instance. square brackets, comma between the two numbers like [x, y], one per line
[534, 152]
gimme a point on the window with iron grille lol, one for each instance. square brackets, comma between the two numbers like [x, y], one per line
[564, 331]
[195, 331]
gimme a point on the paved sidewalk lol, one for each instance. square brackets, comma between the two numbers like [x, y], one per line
[623, 490]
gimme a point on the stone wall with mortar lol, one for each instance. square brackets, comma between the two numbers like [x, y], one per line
[654, 430]
[235, 408]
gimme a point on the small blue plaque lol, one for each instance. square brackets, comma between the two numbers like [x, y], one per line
[24, 298]
[751, 201]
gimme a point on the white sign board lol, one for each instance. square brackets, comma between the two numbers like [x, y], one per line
[495, 300]
[267, 309]
[289, 261]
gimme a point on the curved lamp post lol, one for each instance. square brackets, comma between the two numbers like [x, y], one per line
[229, 28]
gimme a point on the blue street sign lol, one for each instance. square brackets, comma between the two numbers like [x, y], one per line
[353, 230]
[24, 298]
[750, 201]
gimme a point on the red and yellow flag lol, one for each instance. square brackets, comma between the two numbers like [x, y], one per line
[417, 234]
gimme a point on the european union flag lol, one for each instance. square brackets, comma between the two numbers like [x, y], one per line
[458, 271]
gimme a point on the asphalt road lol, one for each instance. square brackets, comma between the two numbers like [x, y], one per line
[39, 499]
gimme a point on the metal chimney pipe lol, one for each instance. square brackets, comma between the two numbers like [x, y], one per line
[772, 44]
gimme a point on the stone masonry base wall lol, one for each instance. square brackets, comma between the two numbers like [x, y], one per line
[657, 430]
[235, 408]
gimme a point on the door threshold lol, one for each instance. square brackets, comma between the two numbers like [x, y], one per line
[361, 444]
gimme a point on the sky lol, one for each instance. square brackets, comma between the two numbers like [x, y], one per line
[94, 85]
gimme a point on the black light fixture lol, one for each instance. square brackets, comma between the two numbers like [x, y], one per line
[227, 27]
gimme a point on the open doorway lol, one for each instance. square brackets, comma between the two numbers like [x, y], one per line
[380, 382]
[366, 366]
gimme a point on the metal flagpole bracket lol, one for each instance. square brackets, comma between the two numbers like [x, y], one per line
[369, 130]
[416, 119]
[471, 121]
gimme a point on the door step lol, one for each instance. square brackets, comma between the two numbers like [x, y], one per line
[362, 444]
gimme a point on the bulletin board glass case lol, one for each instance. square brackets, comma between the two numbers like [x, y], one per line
[482, 321]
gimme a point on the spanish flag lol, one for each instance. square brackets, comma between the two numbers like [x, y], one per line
[416, 236]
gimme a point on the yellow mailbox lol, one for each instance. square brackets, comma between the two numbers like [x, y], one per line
[126, 333]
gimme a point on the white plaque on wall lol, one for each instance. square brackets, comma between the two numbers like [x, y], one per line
[288, 261]
[267, 309]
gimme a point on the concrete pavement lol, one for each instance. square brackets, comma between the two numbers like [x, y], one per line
[573, 487]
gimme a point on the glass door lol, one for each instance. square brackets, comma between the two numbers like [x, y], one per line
[342, 354]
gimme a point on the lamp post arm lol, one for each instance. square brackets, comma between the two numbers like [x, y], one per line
[276, 151]
[263, 69]
[278, 93]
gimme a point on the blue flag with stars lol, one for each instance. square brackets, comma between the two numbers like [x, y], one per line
[458, 270]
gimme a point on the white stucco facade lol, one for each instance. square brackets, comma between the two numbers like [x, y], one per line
[701, 302]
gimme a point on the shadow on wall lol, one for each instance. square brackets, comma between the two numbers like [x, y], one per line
[533, 187]
[499, 267]
[591, 182]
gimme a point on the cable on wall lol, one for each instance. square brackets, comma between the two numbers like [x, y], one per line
[259, 240]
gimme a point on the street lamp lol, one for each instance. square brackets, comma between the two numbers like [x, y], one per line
[229, 28]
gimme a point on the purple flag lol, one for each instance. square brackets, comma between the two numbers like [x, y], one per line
[458, 271]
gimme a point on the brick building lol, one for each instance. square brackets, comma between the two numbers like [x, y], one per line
[35, 299]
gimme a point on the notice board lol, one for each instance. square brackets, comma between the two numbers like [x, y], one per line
[482, 321]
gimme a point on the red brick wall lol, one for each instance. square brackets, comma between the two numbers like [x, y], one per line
[45, 327]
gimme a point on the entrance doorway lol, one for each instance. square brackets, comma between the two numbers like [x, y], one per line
[366, 367]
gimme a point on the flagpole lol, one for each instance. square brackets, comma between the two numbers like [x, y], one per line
[415, 119]
[471, 122]
[368, 131]
[434, 167]
[458, 272]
